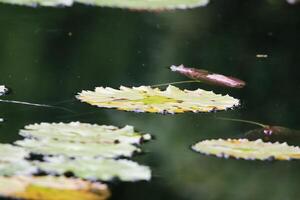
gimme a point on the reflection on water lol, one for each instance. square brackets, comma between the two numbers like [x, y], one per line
[44, 63]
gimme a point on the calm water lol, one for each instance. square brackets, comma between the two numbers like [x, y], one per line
[48, 55]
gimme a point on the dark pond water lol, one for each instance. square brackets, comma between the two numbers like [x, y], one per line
[48, 55]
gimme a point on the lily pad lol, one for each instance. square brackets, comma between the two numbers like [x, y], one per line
[249, 150]
[77, 149]
[51, 188]
[147, 99]
[97, 169]
[84, 133]
[131, 4]
[10, 153]
[12, 161]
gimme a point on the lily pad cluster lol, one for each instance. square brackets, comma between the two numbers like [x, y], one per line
[148, 99]
[249, 150]
[87, 151]
[156, 5]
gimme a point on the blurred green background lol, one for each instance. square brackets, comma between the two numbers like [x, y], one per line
[47, 55]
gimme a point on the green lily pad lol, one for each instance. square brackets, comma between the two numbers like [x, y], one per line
[77, 149]
[10, 153]
[17, 168]
[130, 4]
[97, 169]
[51, 188]
[147, 99]
[84, 133]
[12, 161]
[249, 150]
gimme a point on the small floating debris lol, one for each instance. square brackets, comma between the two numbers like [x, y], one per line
[293, 1]
[262, 56]
[148, 99]
[3, 90]
[208, 77]
[248, 150]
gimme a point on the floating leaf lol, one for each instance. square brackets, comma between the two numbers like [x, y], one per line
[97, 169]
[51, 188]
[209, 77]
[77, 149]
[84, 133]
[131, 4]
[147, 99]
[249, 150]
[12, 161]
[10, 153]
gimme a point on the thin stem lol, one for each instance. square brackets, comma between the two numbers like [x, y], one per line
[173, 83]
[34, 104]
[245, 121]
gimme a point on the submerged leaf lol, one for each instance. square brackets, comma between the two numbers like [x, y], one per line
[249, 150]
[77, 149]
[12, 161]
[51, 188]
[275, 133]
[97, 169]
[131, 4]
[84, 133]
[209, 77]
[147, 99]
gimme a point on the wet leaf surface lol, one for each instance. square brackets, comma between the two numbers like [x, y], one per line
[12, 161]
[249, 150]
[51, 188]
[85, 150]
[84, 133]
[157, 5]
[97, 169]
[147, 99]
[77, 149]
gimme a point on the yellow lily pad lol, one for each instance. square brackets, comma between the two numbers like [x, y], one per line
[51, 188]
[249, 150]
[147, 99]
[130, 4]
